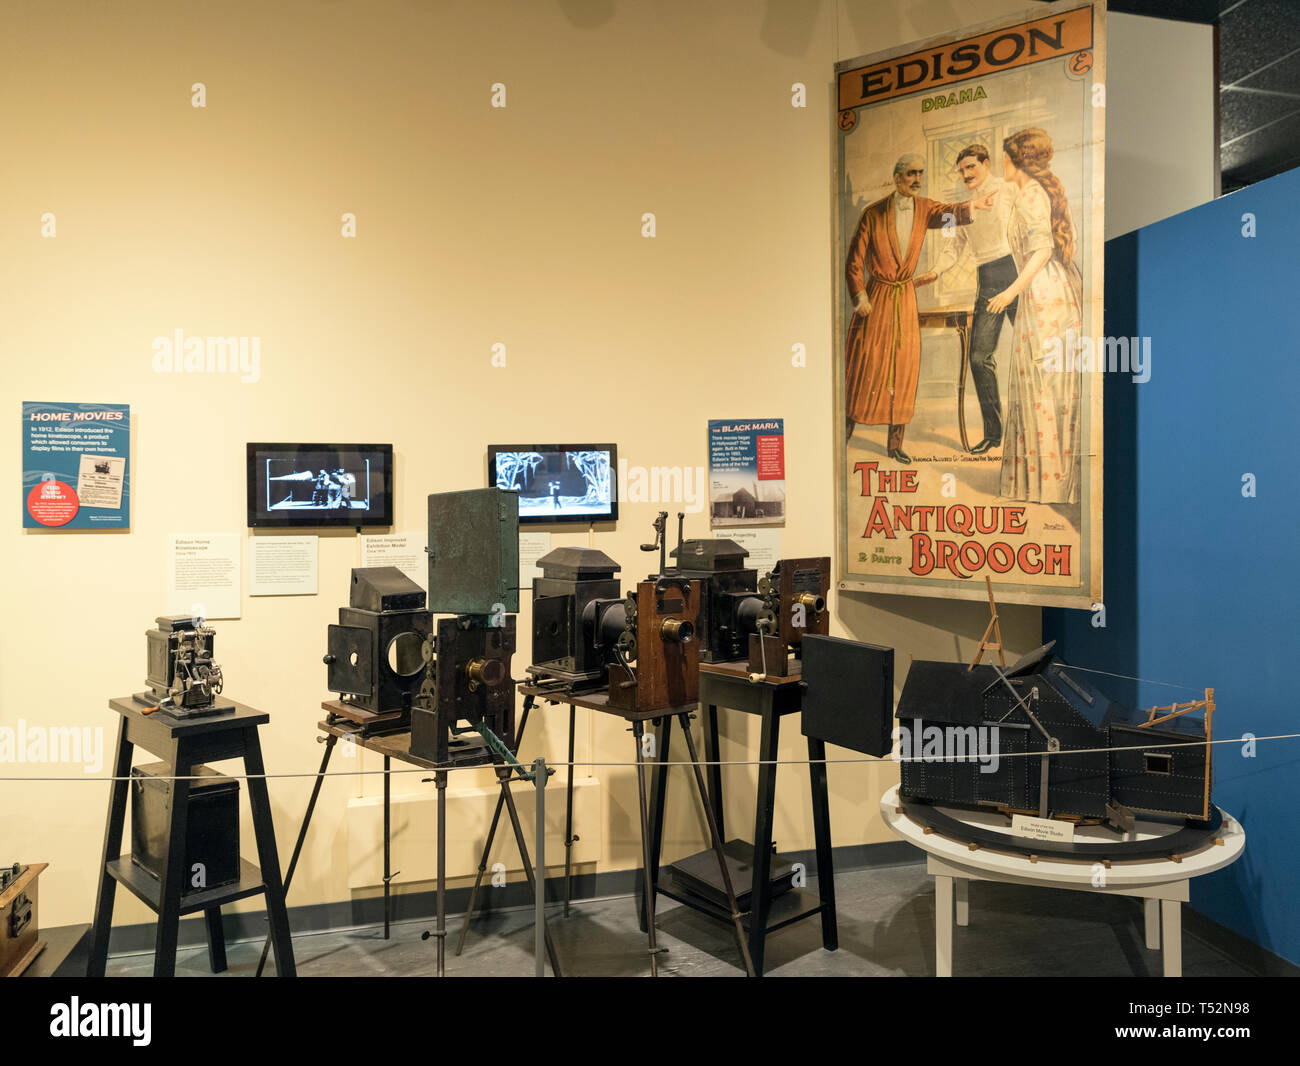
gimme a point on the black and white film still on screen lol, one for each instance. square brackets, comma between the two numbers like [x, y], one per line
[320, 484]
[558, 482]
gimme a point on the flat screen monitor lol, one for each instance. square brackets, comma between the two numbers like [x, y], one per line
[320, 485]
[558, 482]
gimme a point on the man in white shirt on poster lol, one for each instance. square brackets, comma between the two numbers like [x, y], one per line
[986, 237]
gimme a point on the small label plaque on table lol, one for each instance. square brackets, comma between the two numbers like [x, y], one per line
[1023, 825]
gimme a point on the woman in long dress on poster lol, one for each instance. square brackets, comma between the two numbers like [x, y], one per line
[1040, 451]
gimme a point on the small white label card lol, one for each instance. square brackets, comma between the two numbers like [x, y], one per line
[763, 545]
[402, 550]
[203, 574]
[532, 546]
[282, 566]
[1023, 825]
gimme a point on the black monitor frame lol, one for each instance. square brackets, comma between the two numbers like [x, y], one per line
[381, 517]
[526, 519]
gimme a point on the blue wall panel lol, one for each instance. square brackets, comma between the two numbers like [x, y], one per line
[1201, 583]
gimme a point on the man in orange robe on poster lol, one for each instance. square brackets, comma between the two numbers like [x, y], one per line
[882, 359]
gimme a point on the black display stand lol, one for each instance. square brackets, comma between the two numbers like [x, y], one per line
[651, 824]
[728, 685]
[184, 745]
[397, 745]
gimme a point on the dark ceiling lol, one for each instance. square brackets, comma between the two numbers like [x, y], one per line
[1259, 89]
[1259, 80]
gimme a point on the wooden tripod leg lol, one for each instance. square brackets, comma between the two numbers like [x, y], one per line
[994, 624]
[994, 628]
[984, 640]
[716, 840]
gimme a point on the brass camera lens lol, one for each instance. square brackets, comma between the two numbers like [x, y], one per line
[677, 630]
[814, 603]
[485, 671]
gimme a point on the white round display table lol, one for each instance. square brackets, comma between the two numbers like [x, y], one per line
[1161, 883]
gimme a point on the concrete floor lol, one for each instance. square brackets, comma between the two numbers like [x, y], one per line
[886, 929]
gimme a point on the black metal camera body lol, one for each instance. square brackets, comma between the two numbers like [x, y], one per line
[471, 683]
[183, 678]
[570, 600]
[375, 653]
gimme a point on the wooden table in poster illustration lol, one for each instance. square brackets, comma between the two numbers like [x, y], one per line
[959, 319]
[184, 745]
[1161, 884]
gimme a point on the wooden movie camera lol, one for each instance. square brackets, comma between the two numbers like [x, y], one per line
[658, 636]
[795, 593]
[650, 638]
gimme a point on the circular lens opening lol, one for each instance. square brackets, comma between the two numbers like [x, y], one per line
[405, 654]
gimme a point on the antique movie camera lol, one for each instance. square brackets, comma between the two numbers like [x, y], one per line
[572, 600]
[183, 680]
[795, 594]
[652, 639]
[473, 575]
[743, 616]
[376, 652]
[730, 606]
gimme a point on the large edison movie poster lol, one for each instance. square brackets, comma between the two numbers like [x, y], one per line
[968, 312]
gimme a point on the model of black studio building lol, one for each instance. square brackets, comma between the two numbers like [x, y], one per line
[375, 653]
[1101, 758]
[572, 599]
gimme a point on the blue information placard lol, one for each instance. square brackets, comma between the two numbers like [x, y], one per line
[747, 472]
[76, 465]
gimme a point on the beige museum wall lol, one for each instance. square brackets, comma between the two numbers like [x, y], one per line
[475, 227]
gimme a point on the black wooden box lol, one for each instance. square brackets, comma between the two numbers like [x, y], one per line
[211, 838]
[848, 694]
